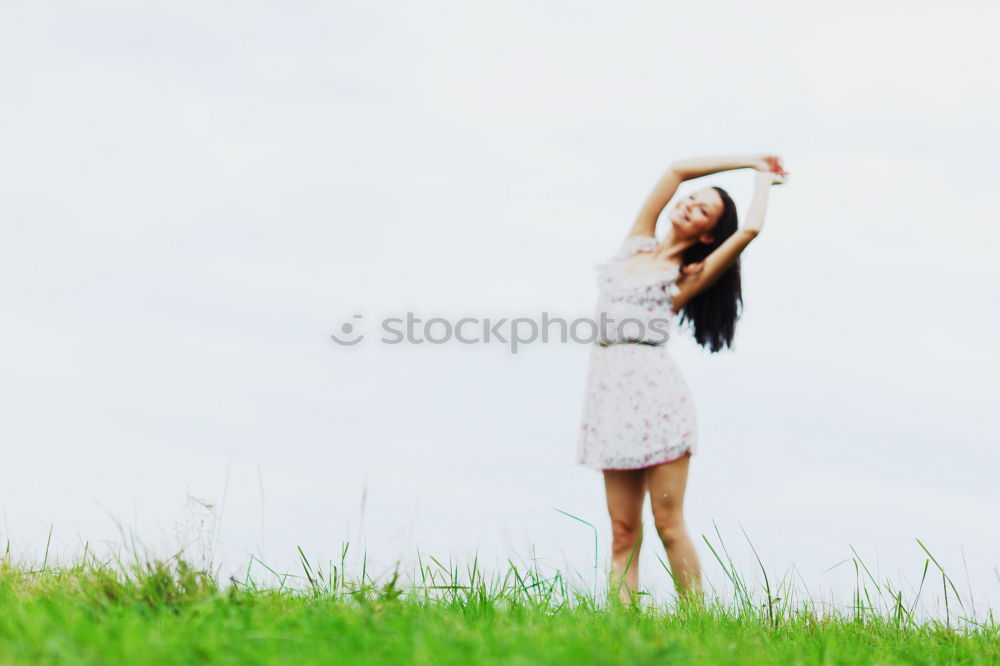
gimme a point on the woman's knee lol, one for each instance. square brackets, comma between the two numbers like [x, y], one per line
[671, 531]
[624, 533]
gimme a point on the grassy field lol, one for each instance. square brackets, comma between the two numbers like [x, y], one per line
[155, 612]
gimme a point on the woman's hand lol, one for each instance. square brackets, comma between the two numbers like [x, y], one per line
[693, 268]
[769, 163]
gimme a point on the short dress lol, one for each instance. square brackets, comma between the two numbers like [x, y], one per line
[637, 408]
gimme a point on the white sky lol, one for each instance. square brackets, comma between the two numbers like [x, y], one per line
[194, 196]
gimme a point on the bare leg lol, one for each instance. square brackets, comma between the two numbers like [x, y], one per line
[626, 491]
[667, 483]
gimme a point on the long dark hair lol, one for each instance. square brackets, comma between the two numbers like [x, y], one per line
[714, 311]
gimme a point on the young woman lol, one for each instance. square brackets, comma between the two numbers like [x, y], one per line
[639, 425]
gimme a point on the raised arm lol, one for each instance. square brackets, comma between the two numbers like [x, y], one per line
[679, 171]
[696, 167]
[724, 256]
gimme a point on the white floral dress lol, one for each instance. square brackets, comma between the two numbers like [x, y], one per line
[638, 411]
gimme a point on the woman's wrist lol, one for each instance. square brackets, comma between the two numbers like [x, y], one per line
[765, 179]
[756, 160]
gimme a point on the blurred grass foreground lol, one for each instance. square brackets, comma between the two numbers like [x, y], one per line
[169, 612]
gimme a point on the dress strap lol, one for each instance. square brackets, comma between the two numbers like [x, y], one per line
[635, 244]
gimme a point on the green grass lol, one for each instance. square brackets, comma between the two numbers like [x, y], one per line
[167, 612]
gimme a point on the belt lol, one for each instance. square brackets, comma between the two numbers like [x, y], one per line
[606, 343]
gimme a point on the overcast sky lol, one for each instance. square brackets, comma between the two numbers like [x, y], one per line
[194, 196]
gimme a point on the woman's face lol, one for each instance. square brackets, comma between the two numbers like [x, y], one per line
[696, 214]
